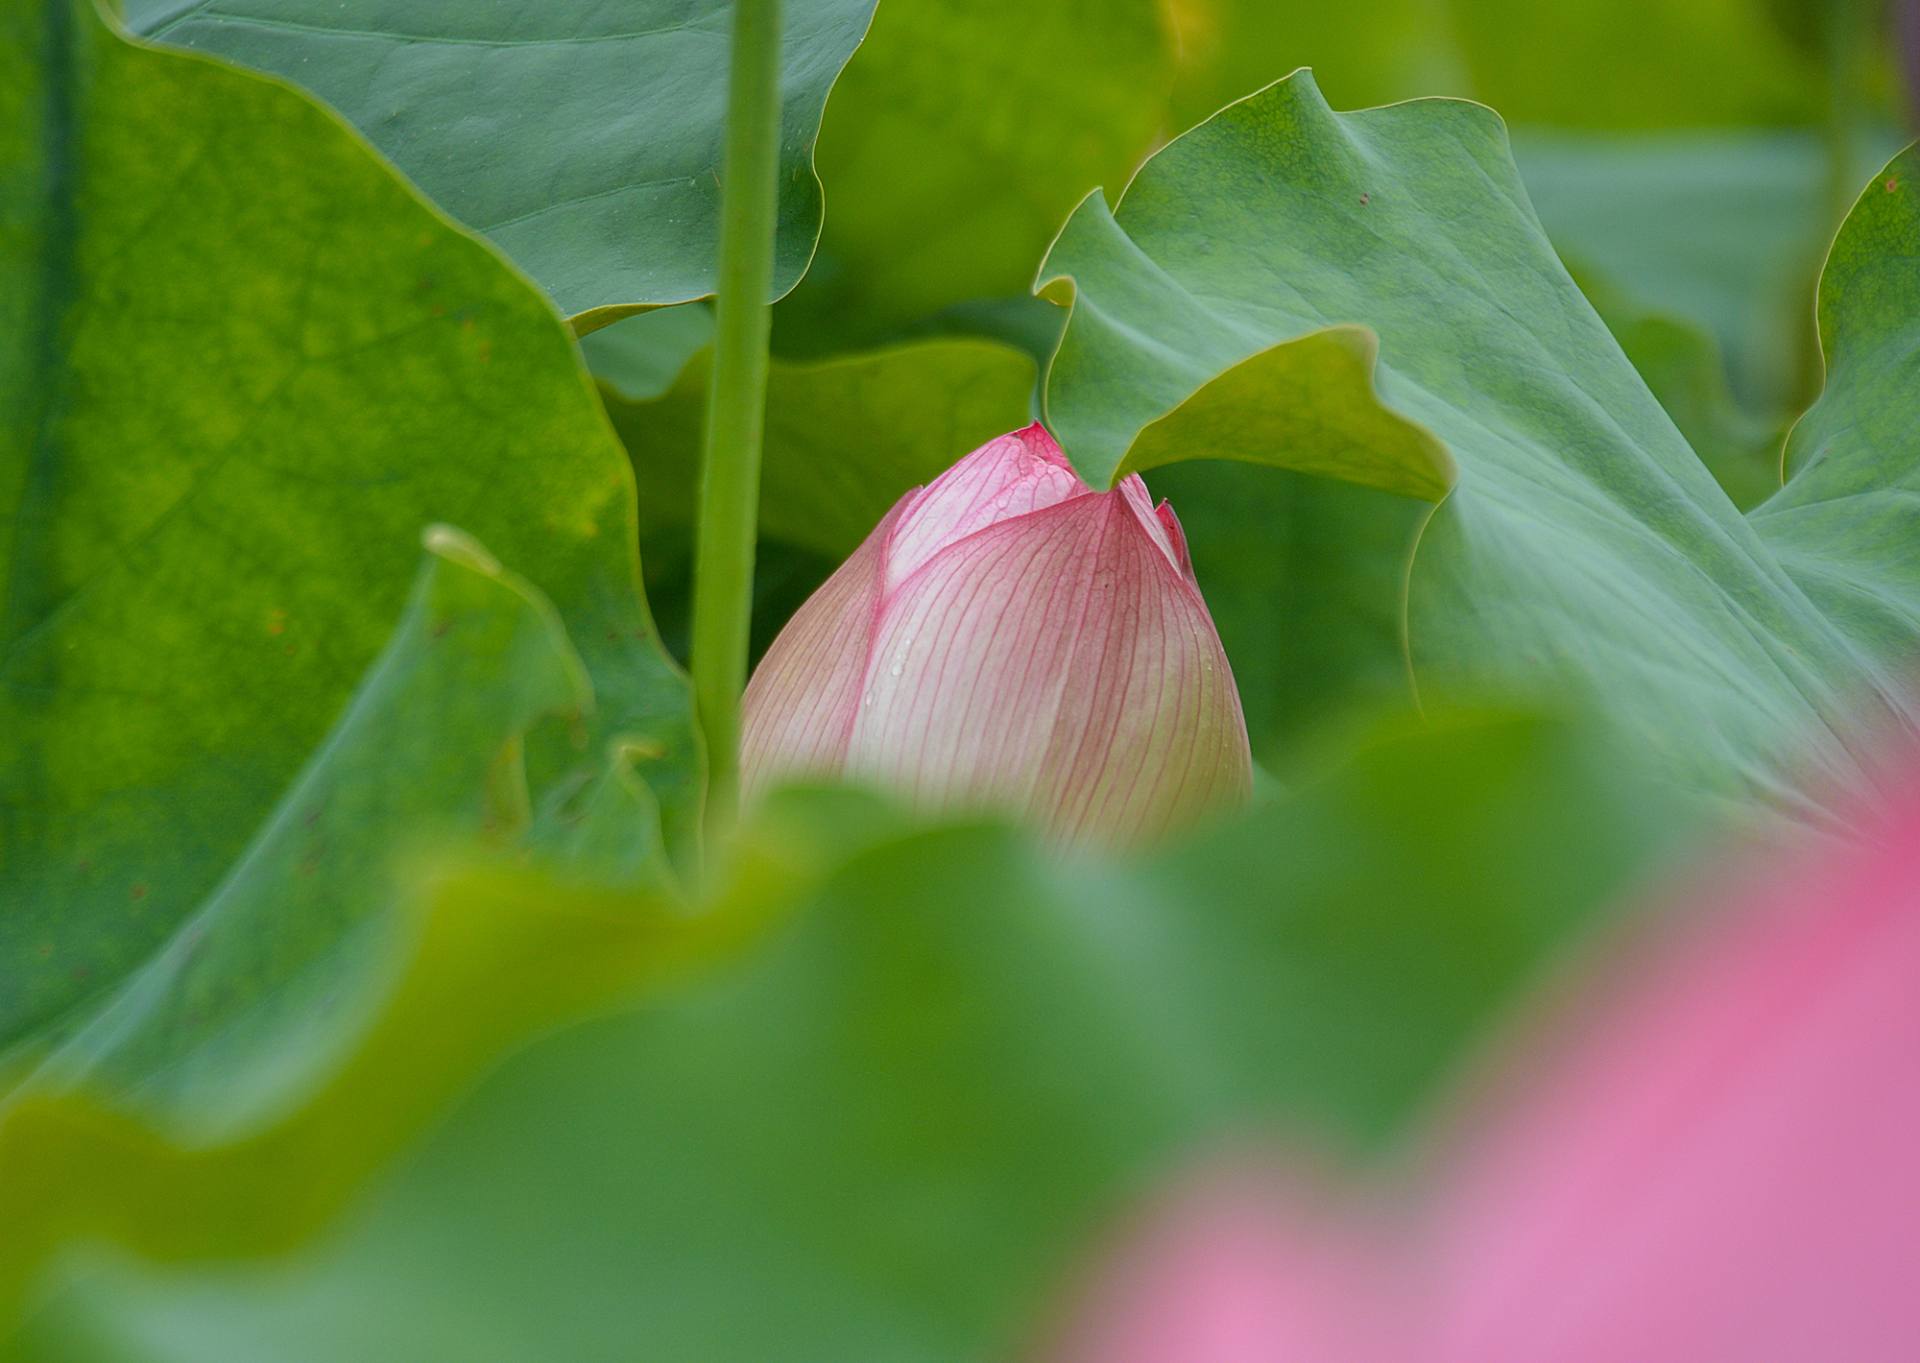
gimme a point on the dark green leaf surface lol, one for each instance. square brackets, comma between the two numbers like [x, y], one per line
[892, 1130]
[584, 139]
[1687, 372]
[241, 368]
[961, 134]
[1578, 543]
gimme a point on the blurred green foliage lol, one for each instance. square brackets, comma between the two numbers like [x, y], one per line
[293, 852]
[888, 1127]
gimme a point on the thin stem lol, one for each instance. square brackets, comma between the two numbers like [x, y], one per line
[736, 400]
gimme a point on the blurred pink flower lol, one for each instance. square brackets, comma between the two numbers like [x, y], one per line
[1008, 637]
[1716, 1161]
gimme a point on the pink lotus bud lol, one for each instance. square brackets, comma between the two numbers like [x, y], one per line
[1009, 637]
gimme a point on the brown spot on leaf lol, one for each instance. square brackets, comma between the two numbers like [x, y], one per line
[137, 893]
[1366, 198]
[1893, 183]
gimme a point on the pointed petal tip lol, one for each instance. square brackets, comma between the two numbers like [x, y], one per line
[1040, 442]
[1159, 523]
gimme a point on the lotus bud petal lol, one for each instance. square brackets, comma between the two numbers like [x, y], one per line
[1009, 638]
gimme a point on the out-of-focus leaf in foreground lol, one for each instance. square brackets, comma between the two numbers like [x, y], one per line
[242, 366]
[889, 1127]
[583, 139]
[1368, 297]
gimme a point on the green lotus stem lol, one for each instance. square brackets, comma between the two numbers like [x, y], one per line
[736, 399]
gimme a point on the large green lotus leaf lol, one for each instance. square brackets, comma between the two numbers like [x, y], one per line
[1701, 251]
[1723, 229]
[583, 139]
[955, 144]
[1847, 520]
[891, 1129]
[1578, 543]
[1686, 372]
[1637, 162]
[242, 366]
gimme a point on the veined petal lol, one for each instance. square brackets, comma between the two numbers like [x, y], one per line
[1010, 476]
[799, 705]
[1057, 663]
